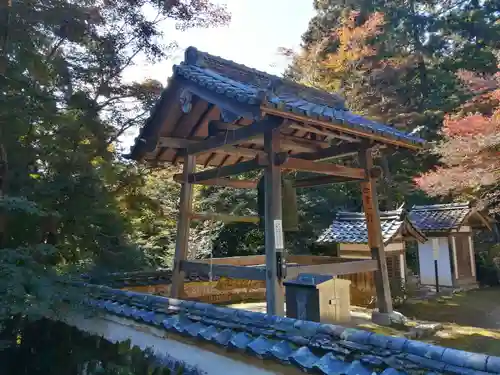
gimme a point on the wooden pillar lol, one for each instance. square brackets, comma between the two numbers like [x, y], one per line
[274, 241]
[454, 252]
[471, 254]
[402, 266]
[181, 243]
[375, 243]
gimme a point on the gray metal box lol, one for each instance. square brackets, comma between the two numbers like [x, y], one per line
[318, 298]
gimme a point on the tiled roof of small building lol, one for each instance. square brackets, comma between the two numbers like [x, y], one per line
[249, 89]
[440, 217]
[310, 346]
[350, 227]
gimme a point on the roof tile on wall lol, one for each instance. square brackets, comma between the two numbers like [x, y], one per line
[310, 346]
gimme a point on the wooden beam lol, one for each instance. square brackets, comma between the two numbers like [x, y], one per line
[236, 136]
[324, 168]
[341, 128]
[181, 143]
[191, 122]
[228, 170]
[327, 133]
[335, 269]
[250, 260]
[237, 184]
[338, 151]
[287, 141]
[233, 272]
[225, 218]
[181, 243]
[375, 243]
[274, 242]
[321, 180]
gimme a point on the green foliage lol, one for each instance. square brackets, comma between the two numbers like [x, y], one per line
[65, 104]
[487, 259]
[397, 62]
[47, 347]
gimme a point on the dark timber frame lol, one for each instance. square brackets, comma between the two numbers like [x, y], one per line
[218, 113]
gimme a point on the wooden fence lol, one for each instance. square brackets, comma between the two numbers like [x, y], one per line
[225, 290]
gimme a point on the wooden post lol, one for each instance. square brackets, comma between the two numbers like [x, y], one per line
[455, 258]
[375, 243]
[181, 243]
[274, 242]
[472, 257]
[435, 256]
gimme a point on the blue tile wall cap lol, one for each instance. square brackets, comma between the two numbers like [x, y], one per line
[325, 348]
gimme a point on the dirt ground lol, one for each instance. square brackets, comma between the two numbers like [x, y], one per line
[471, 320]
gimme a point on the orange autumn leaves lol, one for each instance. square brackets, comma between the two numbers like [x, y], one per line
[353, 47]
[470, 150]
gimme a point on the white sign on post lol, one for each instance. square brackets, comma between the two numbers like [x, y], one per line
[435, 248]
[278, 234]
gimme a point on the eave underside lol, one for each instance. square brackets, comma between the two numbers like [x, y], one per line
[170, 122]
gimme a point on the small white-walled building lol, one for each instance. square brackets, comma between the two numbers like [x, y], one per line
[348, 235]
[449, 232]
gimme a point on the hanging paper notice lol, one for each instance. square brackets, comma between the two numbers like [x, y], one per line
[278, 234]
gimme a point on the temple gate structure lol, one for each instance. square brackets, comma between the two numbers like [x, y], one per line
[230, 119]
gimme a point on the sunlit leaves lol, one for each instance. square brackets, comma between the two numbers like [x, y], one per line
[470, 151]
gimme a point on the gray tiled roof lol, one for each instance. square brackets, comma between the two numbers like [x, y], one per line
[312, 347]
[350, 227]
[440, 217]
[249, 86]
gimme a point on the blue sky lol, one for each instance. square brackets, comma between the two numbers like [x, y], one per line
[257, 29]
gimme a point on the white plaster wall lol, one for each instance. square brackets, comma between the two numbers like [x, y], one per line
[117, 329]
[426, 263]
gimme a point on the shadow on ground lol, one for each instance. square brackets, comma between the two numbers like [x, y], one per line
[477, 308]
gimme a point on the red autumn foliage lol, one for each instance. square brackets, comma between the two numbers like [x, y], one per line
[470, 151]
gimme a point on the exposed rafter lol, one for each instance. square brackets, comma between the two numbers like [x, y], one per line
[324, 132]
[237, 136]
[182, 143]
[337, 151]
[287, 141]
